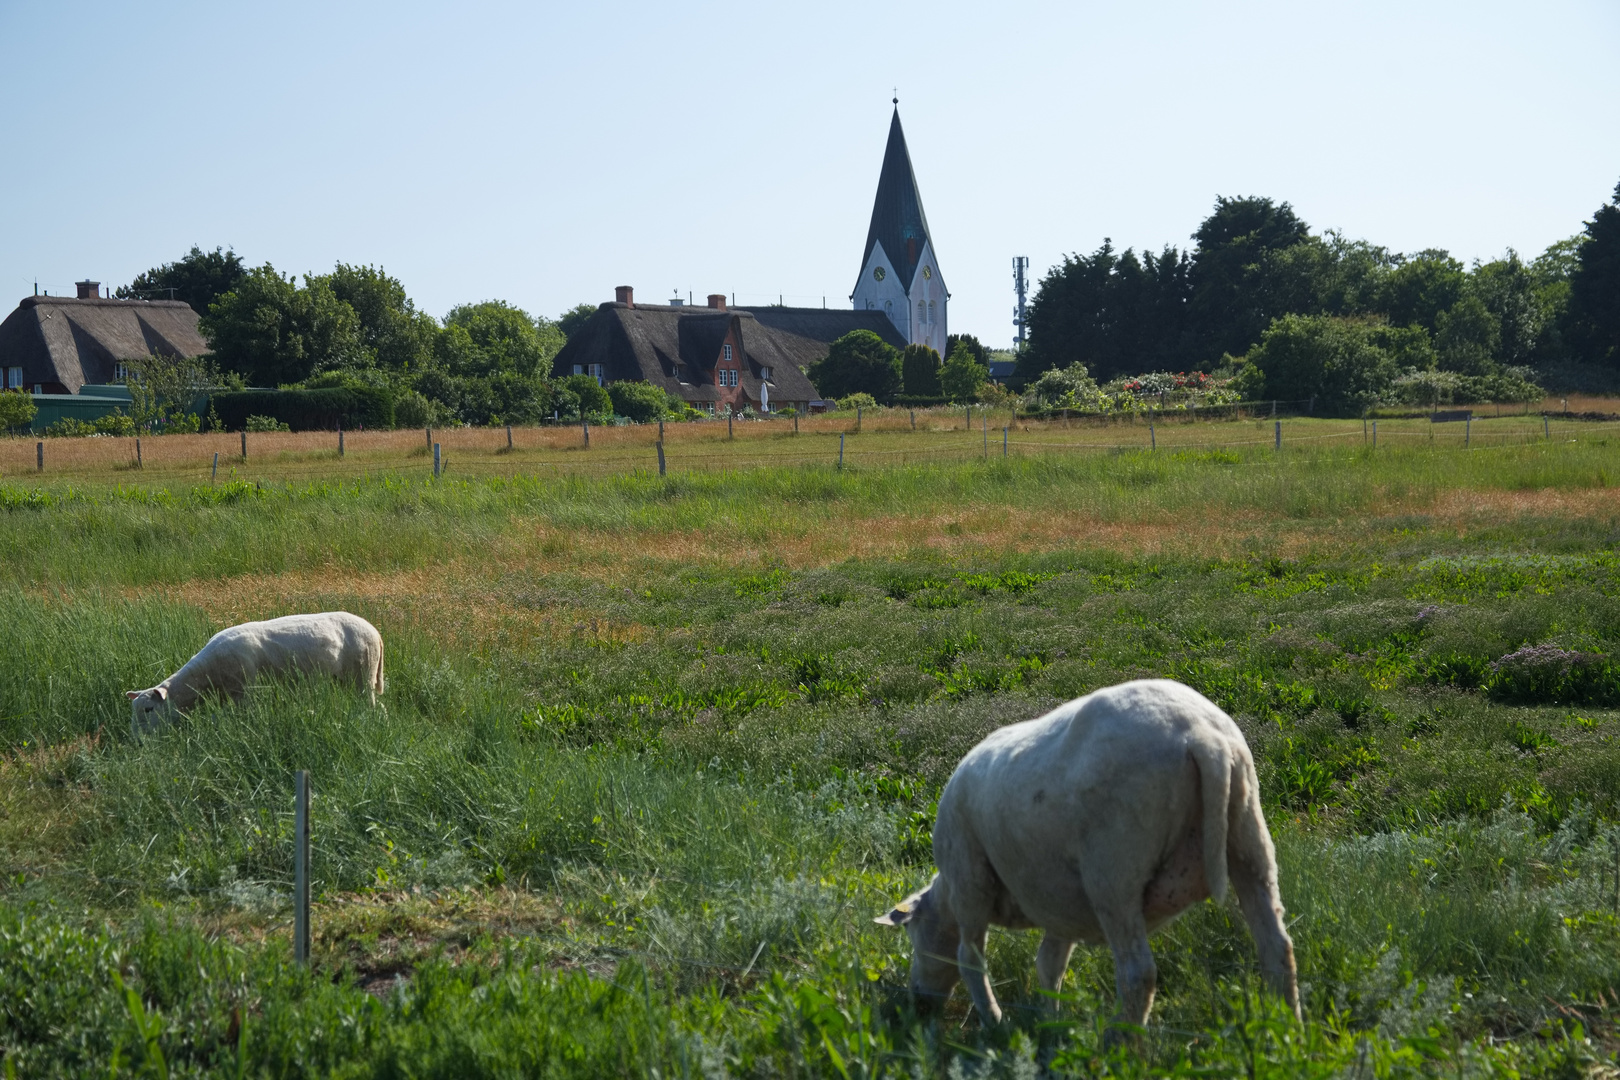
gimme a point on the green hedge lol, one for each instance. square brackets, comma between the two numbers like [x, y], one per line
[308, 410]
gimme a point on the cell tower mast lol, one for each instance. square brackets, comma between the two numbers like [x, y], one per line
[1021, 287]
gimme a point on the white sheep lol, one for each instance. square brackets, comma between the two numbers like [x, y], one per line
[334, 643]
[1098, 822]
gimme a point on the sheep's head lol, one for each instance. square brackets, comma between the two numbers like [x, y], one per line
[148, 708]
[928, 919]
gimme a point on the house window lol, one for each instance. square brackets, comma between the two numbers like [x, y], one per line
[765, 373]
[579, 369]
[120, 372]
[727, 353]
[682, 374]
[14, 378]
[728, 376]
[596, 372]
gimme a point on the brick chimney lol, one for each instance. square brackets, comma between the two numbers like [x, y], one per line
[717, 300]
[88, 290]
[625, 295]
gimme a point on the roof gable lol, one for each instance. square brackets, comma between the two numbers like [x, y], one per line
[898, 221]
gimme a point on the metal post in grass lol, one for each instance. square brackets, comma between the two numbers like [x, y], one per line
[840, 449]
[660, 457]
[435, 461]
[39, 456]
[1546, 428]
[139, 464]
[213, 477]
[1279, 435]
[301, 866]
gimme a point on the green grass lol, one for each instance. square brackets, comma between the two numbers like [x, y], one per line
[697, 725]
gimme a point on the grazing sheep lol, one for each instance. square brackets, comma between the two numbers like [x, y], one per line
[1100, 821]
[333, 643]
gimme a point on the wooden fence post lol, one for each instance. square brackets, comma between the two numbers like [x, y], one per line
[340, 440]
[840, 449]
[213, 477]
[731, 432]
[39, 456]
[244, 444]
[139, 464]
[301, 866]
[660, 457]
[1153, 440]
[585, 427]
[1279, 434]
[509, 436]
[1375, 434]
[435, 460]
[913, 419]
[857, 418]
[1004, 444]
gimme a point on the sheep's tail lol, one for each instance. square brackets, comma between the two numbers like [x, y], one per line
[1214, 761]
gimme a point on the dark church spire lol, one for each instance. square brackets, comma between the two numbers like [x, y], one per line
[897, 214]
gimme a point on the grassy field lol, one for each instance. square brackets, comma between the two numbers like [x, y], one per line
[655, 749]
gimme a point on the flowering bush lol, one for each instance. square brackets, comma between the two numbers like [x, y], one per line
[1548, 674]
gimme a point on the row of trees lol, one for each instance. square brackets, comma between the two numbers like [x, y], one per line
[1256, 269]
[482, 363]
[861, 362]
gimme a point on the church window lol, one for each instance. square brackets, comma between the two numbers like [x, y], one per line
[930, 311]
[922, 312]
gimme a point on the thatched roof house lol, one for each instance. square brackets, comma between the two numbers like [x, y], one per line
[57, 344]
[713, 356]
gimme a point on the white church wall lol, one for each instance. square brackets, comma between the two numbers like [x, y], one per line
[884, 292]
[927, 301]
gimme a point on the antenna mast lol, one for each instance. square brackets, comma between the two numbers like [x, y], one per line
[1021, 287]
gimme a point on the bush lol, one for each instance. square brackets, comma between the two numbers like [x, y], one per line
[264, 423]
[412, 410]
[114, 423]
[17, 409]
[851, 402]
[309, 410]
[919, 371]
[1065, 388]
[640, 401]
[962, 375]
[1333, 360]
[860, 362]
[583, 396]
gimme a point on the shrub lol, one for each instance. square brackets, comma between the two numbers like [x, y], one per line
[412, 410]
[640, 401]
[851, 402]
[320, 409]
[1332, 360]
[919, 371]
[17, 409]
[1064, 388]
[114, 423]
[962, 375]
[264, 423]
[860, 362]
[582, 395]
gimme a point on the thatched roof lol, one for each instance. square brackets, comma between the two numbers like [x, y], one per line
[648, 341]
[64, 343]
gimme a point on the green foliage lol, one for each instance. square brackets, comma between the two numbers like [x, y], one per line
[166, 391]
[394, 335]
[413, 410]
[963, 376]
[919, 371]
[851, 402]
[114, 423]
[1466, 337]
[974, 345]
[323, 409]
[493, 336]
[1065, 388]
[1336, 360]
[1594, 288]
[273, 332]
[1228, 277]
[860, 362]
[641, 402]
[1420, 288]
[264, 423]
[198, 279]
[582, 396]
[17, 409]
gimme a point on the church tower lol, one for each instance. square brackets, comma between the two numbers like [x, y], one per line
[898, 273]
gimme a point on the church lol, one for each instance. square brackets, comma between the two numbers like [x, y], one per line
[722, 359]
[899, 274]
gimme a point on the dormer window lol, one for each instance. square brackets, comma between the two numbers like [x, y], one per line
[764, 373]
[726, 352]
[120, 372]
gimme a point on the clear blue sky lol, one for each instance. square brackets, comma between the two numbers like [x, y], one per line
[543, 154]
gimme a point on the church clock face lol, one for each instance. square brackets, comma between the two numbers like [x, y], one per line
[878, 273]
[928, 272]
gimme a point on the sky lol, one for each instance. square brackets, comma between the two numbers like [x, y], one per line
[543, 154]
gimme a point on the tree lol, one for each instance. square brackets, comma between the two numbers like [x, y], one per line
[395, 335]
[1230, 304]
[272, 332]
[1508, 290]
[1466, 337]
[1331, 359]
[980, 353]
[199, 279]
[962, 375]
[1594, 288]
[582, 395]
[17, 409]
[858, 362]
[1420, 287]
[571, 320]
[919, 370]
[481, 339]
[165, 391]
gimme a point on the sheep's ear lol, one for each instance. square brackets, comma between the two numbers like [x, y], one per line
[161, 693]
[132, 694]
[903, 913]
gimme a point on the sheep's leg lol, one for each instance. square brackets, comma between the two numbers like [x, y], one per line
[971, 964]
[1263, 911]
[1051, 960]
[1136, 976]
